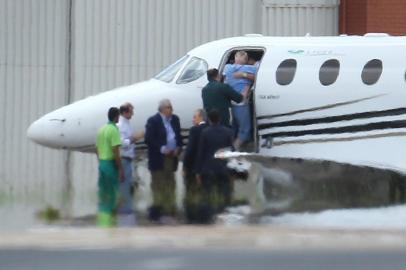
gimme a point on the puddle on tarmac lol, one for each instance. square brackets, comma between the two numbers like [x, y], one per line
[275, 192]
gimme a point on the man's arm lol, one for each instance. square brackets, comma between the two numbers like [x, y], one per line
[117, 159]
[244, 75]
[199, 158]
[152, 139]
[125, 142]
[246, 92]
[247, 72]
[138, 136]
[115, 144]
[150, 135]
[190, 149]
[178, 136]
[232, 94]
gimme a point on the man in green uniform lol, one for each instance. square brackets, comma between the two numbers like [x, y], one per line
[110, 171]
[218, 96]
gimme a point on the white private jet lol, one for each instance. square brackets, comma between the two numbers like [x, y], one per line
[340, 99]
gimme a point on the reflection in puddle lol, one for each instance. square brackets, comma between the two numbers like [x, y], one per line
[392, 217]
[295, 185]
[275, 186]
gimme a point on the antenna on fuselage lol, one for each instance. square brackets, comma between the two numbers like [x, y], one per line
[253, 35]
[376, 35]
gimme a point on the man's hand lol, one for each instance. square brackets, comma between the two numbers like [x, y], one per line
[171, 153]
[137, 136]
[246, 92]
[121, 175]
[165, 150]
[198, 179]
[239, 74]
[176, 152]
[245, 75]
[117, 159]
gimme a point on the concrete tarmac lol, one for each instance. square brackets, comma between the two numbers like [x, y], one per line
[202, 247]
[268, 237]
[200, 259]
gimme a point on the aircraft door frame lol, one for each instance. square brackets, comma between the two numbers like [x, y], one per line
[224, 61]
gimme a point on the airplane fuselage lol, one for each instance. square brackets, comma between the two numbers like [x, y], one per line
[325, 98]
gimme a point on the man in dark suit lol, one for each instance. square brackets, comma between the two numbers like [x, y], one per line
[218, 96]
[212, 172]
[192, 196]
[163, 138]
[199, 123]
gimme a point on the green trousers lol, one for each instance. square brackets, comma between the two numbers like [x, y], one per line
[108, 185]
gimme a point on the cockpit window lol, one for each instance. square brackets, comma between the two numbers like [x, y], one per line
[170, 72]
[195, 69]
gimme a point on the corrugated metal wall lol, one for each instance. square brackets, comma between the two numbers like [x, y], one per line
[299, 17]
[119, 42]
[57, 51]
[33, 44]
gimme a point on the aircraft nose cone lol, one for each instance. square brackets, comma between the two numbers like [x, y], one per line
[46, 132]
[35, 132]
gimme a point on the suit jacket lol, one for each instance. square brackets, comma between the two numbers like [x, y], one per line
[212, 139]
[218, 96]
[155, 137]
[189, 161]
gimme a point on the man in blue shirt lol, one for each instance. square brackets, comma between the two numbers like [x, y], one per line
[240, 77]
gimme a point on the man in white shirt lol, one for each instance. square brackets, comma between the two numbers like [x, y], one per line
[127, 153]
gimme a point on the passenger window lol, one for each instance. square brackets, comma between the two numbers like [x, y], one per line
[170, 72]
[195, 69]
[372, 72]
[329, 71]
[286, 71]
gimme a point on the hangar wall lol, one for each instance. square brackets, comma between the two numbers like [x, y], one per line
[53, 52]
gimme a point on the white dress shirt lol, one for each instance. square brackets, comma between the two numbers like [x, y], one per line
[170, 135]
[127, 148]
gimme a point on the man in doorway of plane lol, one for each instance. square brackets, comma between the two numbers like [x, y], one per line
[240, 77]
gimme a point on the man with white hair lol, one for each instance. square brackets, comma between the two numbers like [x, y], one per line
[240, 77]
[164, 141]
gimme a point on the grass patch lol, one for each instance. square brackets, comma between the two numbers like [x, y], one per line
[49, 214]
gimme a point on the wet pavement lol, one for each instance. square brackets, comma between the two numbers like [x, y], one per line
[194, 237]
[199, 247]
[202, 259]
[286, 200]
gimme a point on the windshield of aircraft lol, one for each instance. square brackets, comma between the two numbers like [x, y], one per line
[195, 69]
[169, 72]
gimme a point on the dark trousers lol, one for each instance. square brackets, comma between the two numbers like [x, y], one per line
[217, 190]
[397, 186]
[192, 202]
[163, 188]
